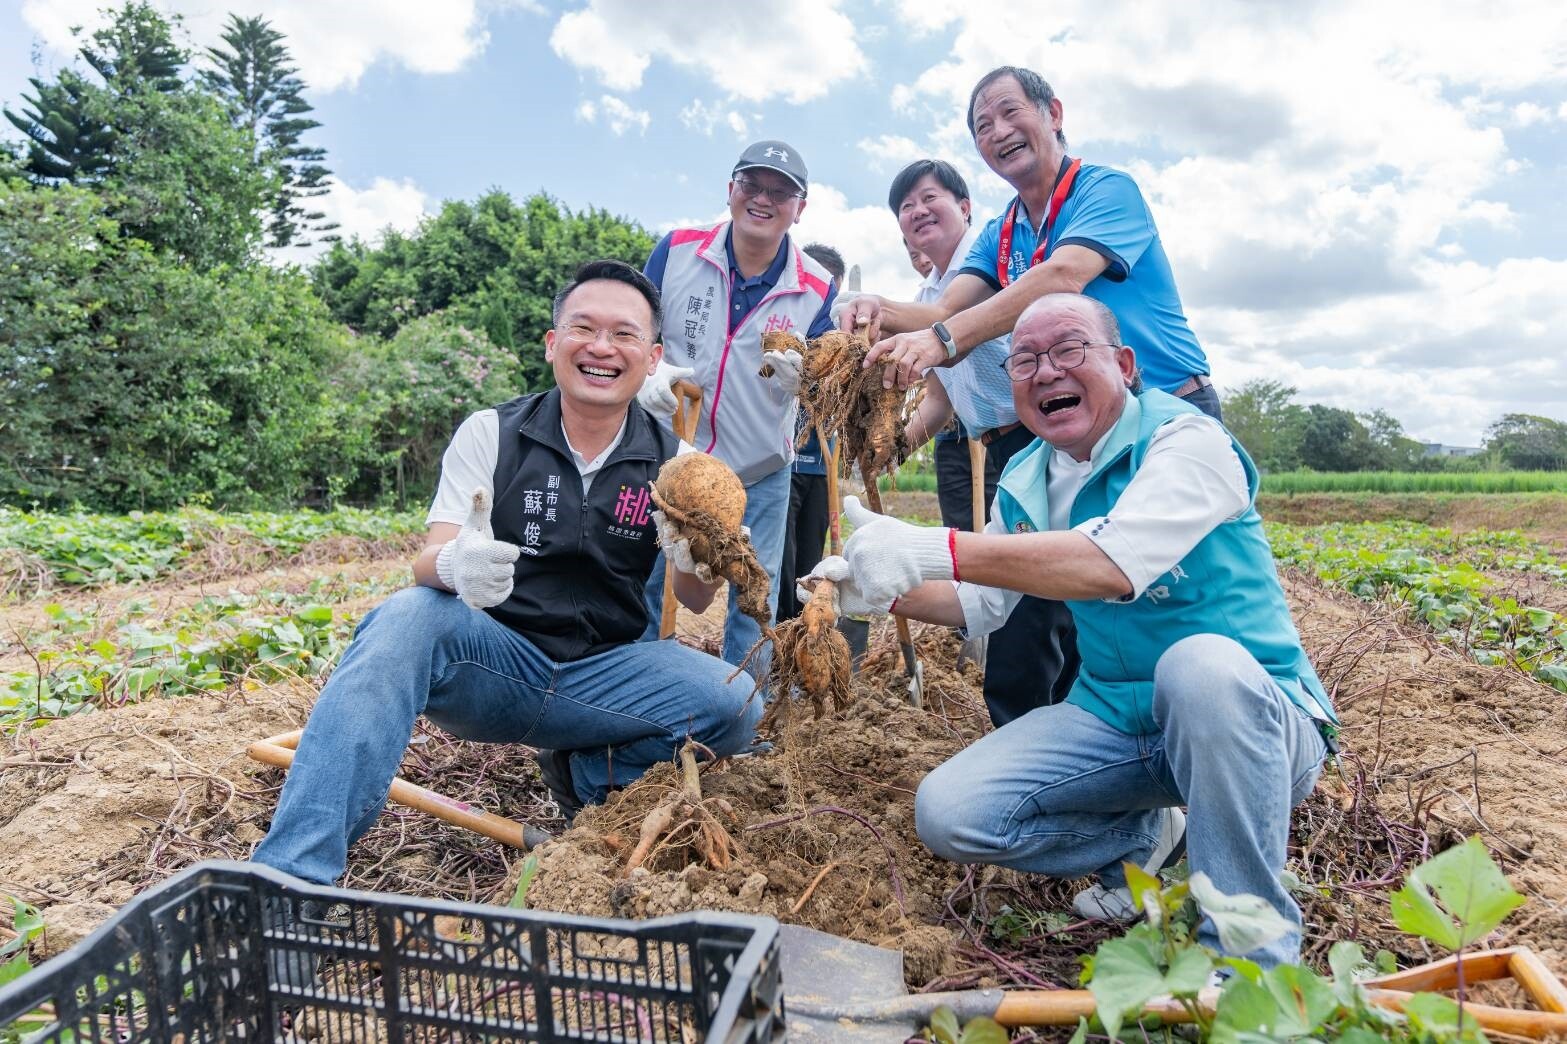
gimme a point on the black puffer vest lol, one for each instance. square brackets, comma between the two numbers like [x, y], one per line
[583, 566]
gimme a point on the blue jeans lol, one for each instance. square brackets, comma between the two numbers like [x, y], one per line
[425, 652]
[1060, 792]
[767, 516]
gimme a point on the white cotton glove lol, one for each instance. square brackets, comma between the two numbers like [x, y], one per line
[677, 548]
[785, 369]
[889, 558]
[657, 394]
[846, 596]
[476, 565]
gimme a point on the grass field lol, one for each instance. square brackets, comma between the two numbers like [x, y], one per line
[1415, 482]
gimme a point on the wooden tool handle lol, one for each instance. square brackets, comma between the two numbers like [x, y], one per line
[976, 464]
[1065, 1007]
[279, 751]
[688, 414]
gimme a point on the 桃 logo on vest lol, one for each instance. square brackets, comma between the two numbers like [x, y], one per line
[1022, 527]
[631, 512]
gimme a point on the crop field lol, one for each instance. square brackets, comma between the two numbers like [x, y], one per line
[1415, 482]
[140, 654]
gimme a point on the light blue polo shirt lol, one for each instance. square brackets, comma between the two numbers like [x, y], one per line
[1107, 214]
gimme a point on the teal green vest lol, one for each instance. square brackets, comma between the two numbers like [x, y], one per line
[1226, 585]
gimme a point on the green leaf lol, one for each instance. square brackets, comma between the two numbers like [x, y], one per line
[1244, 922]
[944, 1025]
[1439, 1015]
[530, 870]
[1244, 1007]
[1128, 973]
[1080, 1036]
[15, 968]
[1305, 1000]
[983, 1030]
[1471, 897]
[314, 614]
[1127, 976]
[1141, 882]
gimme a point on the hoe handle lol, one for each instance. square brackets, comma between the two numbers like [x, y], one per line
[688, 412]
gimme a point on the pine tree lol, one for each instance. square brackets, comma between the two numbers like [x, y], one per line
[71, 124]
[256, 76]
[136, 52]
[67, 136]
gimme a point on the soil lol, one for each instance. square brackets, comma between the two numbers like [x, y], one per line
[97, 807]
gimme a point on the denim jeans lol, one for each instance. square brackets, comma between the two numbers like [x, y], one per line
[425, 652]
[1060, 792]
[767, 515]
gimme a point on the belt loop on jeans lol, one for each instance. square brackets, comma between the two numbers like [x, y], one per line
[987, 437]
[1194, 384]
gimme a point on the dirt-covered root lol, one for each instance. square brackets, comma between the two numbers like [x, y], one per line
[22, 574]
[722, 548]
[683, 818]
[847, 401]
[811, 658]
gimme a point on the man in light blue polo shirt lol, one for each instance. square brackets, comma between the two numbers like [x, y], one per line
[1074, 227]
[1032, 659]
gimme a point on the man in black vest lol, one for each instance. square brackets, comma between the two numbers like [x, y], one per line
[524, 622]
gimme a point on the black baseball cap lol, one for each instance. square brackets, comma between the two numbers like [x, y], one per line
[774, 155]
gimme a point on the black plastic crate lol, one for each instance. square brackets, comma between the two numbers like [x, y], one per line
[197, 959]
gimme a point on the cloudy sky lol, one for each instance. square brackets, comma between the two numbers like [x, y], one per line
[1363, 200]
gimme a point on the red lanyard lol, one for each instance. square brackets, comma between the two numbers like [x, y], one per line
[1004, 252]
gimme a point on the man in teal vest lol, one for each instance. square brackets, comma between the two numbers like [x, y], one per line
[1137, 510]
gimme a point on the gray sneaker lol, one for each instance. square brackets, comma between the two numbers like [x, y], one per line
[1096, 902]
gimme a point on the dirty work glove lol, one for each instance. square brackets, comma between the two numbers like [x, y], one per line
[849, 601]
[476, 565]
[786, 369]
[677, 547]
[657, 394]
[889, 558]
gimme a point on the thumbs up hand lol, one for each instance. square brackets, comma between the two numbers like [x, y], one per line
[476, 565]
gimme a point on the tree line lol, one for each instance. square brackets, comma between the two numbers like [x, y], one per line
[150, 356]
[1281, 434]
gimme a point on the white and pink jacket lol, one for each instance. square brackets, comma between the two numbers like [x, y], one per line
[747, 421]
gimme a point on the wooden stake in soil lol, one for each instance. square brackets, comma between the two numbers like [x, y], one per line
[688, 413]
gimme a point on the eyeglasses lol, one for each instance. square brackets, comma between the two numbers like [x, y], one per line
[578, 333]
[1064, 355]
[750, 187]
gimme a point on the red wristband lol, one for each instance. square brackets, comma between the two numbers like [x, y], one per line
[952, 546]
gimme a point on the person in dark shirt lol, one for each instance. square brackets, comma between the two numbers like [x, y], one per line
[522, 625]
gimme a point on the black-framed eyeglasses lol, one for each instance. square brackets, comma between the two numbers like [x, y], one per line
[750, 187]
[1064, 355]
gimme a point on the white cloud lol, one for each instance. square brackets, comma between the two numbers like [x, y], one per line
[618, 116]
[891, 152]
[1314, 171]
[704, 118]
[333, 41]
[366, 213]
[1527, 114]
[795, 51]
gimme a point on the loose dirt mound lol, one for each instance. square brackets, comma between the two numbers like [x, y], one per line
[824, 831]
[95, 808]
[1435, 748]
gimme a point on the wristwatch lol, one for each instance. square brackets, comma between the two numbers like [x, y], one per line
[940, 330]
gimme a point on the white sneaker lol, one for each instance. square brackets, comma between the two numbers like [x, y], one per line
[1096, 902]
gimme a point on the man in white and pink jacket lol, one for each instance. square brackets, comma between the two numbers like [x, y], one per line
[722, 288]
